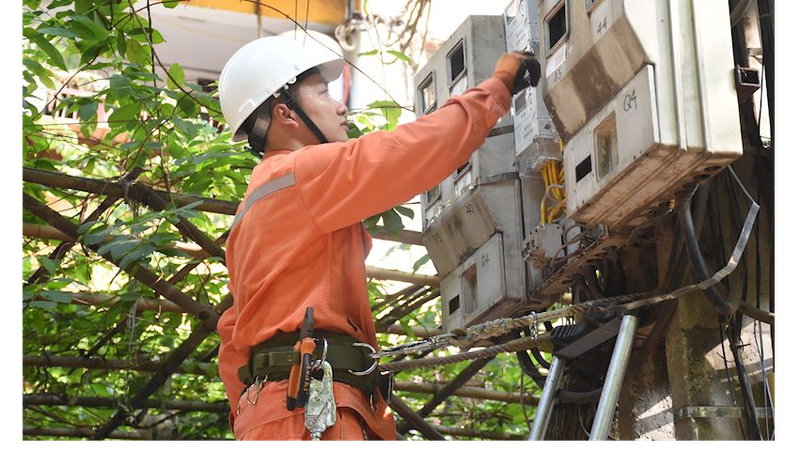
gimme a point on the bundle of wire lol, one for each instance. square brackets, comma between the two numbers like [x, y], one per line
[553, 176]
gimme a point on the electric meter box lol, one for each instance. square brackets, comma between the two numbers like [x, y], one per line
[478, 289]
[472, 221]
[534, 133]
[464, 60]
[456, 240]
[643, 95]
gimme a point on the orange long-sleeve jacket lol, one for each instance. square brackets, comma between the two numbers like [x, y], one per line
[298, 241]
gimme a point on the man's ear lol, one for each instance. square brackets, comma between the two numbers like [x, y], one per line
[282, 114]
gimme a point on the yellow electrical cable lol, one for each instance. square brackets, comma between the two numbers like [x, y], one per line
[542, 211]
[556, 209]
[553, 174]
[558, 193]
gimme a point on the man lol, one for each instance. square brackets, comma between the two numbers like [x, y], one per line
[297, 239]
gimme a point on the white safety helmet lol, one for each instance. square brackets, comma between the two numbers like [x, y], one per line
[264, 66]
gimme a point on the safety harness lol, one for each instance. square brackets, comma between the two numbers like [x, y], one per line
[272, 360]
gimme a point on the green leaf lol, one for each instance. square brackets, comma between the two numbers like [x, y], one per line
[176, 76]
[45, 76]
[44, 304]
[96, 237]
[125, 113]
[392, 221]
[170, 3]
[190, 206]
[139, 253]
[82, 31]
[87, 111]
[406, 327]
[86, 227]
[30, 290]
[50, 265]
[57, 296]
[123, 248]
[120, 84]
[57, 31]
[189, 106]
[408, 212]
[187, 128]
[383, 104]
[157, 38]
[83, 6]
[369, 53]
[138, 53]
[402, 56]
[99, 32]
[372, 222]
[210, 369]
[55, 56]
[122, 45]
[421, 262]
[390, 110]
[194, 86]
[91, 53]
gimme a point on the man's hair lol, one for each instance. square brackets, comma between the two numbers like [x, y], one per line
[266, 109]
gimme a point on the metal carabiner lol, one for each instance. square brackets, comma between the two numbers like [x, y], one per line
[318, 363]
[374, 362]
[258, 384]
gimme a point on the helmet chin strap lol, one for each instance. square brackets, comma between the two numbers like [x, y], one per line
[294, 106]
[257, 137]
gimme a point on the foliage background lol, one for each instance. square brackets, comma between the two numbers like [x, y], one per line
[170, 129]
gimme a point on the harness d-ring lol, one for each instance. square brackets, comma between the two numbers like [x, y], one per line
[374, 362]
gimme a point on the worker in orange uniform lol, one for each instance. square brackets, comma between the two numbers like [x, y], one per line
[298, 240]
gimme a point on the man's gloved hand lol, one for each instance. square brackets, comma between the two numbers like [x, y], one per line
[512, 69]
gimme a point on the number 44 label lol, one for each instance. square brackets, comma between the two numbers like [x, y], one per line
[601, 20]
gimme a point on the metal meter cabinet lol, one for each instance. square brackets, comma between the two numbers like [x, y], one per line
[643, 97]
[475, 213]
[534, 132]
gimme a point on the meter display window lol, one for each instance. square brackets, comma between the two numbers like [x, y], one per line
[456, 63]
[427, 95]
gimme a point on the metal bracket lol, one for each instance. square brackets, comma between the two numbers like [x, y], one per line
[705, 412]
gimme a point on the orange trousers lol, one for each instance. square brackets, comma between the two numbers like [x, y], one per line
[266, 418]
[348, 427]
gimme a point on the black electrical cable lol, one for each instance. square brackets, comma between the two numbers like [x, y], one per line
[728, 376]
[564, 396]
[580, 397]
[696, 258]
[700, 206]
[735, 344]
[537, 355]
[673, 280]
[768, 13]
[590, 280]
[535, 352]
[530, 369]
[767, 43]
[738, 325]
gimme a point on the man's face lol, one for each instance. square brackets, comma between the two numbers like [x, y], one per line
[327, 113]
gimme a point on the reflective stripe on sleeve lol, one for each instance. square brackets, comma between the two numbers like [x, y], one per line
[263, 191]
